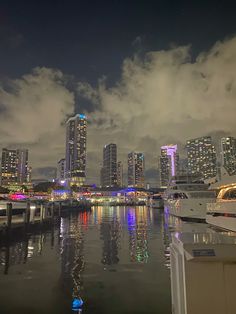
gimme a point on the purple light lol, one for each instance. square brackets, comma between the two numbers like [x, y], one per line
[171, 151]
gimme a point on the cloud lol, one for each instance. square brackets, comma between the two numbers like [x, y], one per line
[33, 112]
[165, 98]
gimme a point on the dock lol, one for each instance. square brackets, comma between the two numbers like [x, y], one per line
[32, 217]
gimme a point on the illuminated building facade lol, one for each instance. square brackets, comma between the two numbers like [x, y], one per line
[228, 154]
[120, 174]
[14, 169]
[168, 164]
[201, 156]
[9, 166]
[136, 170]
[109, 167]
[23, 170]
[76, 135]
[61, 170]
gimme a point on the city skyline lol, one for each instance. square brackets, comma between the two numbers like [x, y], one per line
[169, 163]
[201, 159]
[142, 84]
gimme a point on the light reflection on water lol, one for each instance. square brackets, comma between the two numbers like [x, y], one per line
[111, 257]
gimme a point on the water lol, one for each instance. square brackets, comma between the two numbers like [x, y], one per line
[115, 258]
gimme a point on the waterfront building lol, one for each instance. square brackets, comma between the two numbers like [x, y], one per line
[168, 164]
[120, 173]
[136, 169]
[76, 135]
[109, 167]
[228, 154]
[201, 156]
[61, 170]
[14, 167]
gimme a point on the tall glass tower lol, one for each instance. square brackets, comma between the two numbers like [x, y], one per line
[109, 168]
[228, 154]
[168, 164]
[201, 157]
[136, 170]
[14, 168]
[76, 135]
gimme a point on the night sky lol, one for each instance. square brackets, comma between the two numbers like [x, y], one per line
[147, 73]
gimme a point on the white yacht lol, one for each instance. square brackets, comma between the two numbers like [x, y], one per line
[222, 213]
[188, 200]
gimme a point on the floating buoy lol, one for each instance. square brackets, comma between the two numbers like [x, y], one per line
[77, 304]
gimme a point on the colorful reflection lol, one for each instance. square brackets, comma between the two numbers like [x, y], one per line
[138, 219]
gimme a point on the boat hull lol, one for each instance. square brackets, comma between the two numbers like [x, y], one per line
[222, 214]
[194, 209]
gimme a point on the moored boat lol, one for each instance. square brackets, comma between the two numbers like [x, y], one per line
[222, 213]
[188, 200]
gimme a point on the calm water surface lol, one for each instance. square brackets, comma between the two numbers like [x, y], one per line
[115, 258]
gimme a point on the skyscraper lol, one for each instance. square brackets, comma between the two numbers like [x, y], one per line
[228, 154]
[109, 167]
[15, 167]
[119, 173]
[22, 165]
[76, 133]
[136, 170]
[61, 169]
[168, 164]
[201, 156]
[9, 166]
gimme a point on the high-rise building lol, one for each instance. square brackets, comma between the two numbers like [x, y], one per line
[119, 173]
[76, 134]
[9, 166]
[22, 166]
[228, 154]
[168, 164]
[61, 170]
[136, 170]
[109, 167]
[201, 156]
[15, 167]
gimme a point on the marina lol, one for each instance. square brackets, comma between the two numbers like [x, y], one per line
[118, 157]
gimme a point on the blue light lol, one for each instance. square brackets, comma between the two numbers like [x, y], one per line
[131, 219]
[129, 190]
[82, 116]
[77, 304]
